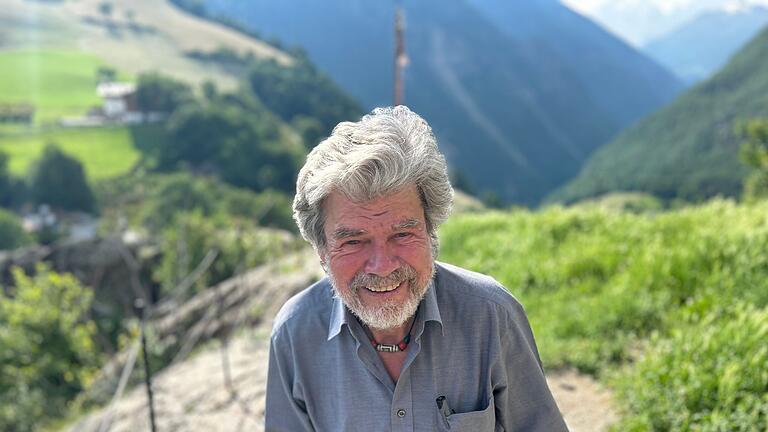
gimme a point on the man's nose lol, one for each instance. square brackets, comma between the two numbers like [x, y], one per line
[382, 261]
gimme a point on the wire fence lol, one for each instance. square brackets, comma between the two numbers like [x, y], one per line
[226, 308]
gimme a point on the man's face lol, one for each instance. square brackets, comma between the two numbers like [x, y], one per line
[378, 255]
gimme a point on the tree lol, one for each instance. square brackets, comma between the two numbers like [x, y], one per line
[13, 190]
[106, 74]
[47, 353]
[301, 90]
[159, 93]
[5, 181]
[754, 153]
[310, 129]
[209, 90]
[177, 194]
[243, 149]
[59, 181]
[105, 8]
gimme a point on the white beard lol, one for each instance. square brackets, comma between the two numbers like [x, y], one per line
[388, 315]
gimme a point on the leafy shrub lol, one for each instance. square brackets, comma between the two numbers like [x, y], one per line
[46, 350]
[595, 282]
[711, 375]
[240, 246]
[155, 200]
[598, 284]
[754, 154]
[12, 235]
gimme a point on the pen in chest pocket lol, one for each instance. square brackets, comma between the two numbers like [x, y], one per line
[442, 405]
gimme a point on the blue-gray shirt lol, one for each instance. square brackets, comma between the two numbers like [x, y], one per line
[471, 343]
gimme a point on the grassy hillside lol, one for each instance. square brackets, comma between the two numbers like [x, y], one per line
[50, 53]
[135, 36]
[104, 152]
[57, 82]
[504, 84]
[689, 148]
[611, 292]
[60, 83]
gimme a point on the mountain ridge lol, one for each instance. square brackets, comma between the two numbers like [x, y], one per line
[134, 37]
[509, 112]
[688, 149]
[704, 44]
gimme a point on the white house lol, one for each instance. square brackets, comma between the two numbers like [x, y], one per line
[119, 101]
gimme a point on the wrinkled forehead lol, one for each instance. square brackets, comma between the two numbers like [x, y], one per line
[341, 231]
[401, 209]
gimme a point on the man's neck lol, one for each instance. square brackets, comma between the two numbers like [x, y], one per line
[393, 335]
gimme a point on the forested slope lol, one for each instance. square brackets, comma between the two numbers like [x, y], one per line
[690, 148]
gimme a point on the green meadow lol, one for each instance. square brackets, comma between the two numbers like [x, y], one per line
[57, 83]
[104, 152]
[669, 308]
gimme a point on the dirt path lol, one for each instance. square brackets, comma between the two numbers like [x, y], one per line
[223, 388]
[585, 404]
[193, 396]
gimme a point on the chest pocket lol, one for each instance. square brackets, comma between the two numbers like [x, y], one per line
[474, 421]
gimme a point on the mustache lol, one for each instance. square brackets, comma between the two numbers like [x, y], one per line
[399, 275]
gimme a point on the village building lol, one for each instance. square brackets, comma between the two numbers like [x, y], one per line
[119, 102]
[17, 113]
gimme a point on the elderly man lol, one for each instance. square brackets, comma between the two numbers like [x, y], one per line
[392, 340]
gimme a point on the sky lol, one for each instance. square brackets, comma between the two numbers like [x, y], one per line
[640, 21]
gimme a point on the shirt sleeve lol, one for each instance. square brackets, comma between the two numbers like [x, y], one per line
[284, 412]
[522, 397]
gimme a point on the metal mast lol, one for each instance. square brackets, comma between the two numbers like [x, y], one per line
[401, 59]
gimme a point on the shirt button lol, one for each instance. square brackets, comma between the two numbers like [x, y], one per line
[401, 413]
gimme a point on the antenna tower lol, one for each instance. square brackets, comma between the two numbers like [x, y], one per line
[401, 59]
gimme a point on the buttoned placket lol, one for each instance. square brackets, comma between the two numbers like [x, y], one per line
[401, 409]
[402, 399]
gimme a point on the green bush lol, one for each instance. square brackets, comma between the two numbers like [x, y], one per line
[612, 278]
[598, 284]
[155, 200]
[47, 355]
[754, 154]
[711, 375]
[12, 235]
[240, 247]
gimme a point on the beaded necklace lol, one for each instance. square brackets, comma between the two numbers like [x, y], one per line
[390, 348]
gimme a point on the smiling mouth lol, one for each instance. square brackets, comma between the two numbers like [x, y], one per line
[385, 288]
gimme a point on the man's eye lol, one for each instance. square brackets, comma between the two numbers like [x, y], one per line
[351, 242]
[403, 235]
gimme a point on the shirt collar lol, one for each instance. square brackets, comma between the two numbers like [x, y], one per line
[340, 315]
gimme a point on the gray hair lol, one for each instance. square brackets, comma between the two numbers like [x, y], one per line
[388, 149]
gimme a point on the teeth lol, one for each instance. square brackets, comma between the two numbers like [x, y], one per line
[383, 288]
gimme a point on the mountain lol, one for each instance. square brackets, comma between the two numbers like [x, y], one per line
[131, 36]
[688, 149]
[519, 93]
[701, 46]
